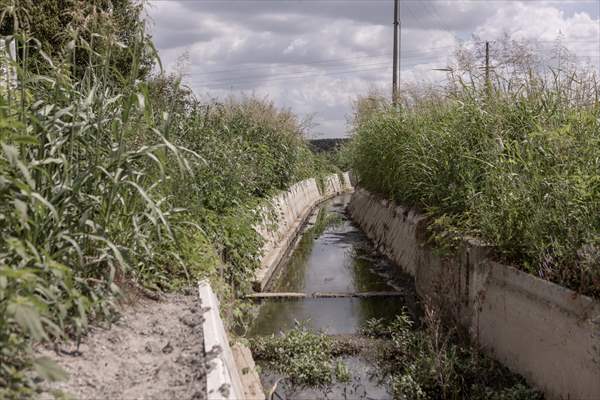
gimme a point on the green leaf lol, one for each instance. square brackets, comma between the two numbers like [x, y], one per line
[28, 318]
[49, 370]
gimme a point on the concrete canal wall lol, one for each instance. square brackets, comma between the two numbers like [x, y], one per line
[543, 331]
[232, 374]
[286, 216]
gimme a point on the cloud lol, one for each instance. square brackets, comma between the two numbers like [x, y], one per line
[546, 25]
[316, 56]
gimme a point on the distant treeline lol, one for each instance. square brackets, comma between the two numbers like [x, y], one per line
[327, 145]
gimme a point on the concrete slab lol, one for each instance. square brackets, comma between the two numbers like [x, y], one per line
[251, 384]
[223, 379]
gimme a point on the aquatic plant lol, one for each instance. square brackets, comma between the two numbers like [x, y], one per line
[305, 357]
[435, 362]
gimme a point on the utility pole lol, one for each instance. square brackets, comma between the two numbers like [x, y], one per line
[399, 55]
[395, 63]
[488, 86]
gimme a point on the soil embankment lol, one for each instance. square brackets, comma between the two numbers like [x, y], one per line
[155, 351]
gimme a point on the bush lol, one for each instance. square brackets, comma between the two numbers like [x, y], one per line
[516, 168]
[108, 180]
[433, 363]
[246, 150]
[303, 356]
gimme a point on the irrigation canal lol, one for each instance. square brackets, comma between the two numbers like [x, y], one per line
[333, 281]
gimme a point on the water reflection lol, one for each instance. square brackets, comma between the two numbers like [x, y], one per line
[332, 256]
[333, 316]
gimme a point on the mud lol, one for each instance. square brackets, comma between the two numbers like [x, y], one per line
[155, 352]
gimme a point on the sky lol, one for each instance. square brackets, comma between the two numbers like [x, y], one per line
[316, 56]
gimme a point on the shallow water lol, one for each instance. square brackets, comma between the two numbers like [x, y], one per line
[365, 384]
[334, 255]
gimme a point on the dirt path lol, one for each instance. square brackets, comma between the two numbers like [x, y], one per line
[154, 352]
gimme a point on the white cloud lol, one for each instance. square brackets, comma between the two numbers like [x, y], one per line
[544, 23]
[314, 57]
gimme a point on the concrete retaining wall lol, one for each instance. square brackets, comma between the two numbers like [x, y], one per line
[223, 378]
[285, 218]
[231, 371]
[335, 184]
[232, 374]
[543, 331]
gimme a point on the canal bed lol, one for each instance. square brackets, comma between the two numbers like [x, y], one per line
[333, 255]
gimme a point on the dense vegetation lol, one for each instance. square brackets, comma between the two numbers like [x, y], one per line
[55, 24]
[304, 357]
[433, 363]
[513, 161]
[110, 182]
[430, 361]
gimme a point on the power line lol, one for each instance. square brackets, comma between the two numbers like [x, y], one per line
[278, 78]
[294, 76]
[405, 55]
[317, 62]
[418, 61]
[436, 15]
[425, 58]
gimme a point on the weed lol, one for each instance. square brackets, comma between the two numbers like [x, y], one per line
[434, 363]
[304, 356]
[107, 178]
[518, 168]
[342, 374]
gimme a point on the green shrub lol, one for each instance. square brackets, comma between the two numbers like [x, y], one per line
[247, 150]
[517, 168]
[301, 355]
[107, 179]
[433, 363]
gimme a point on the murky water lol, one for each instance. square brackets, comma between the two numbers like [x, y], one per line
[365, 384]
[334, 256]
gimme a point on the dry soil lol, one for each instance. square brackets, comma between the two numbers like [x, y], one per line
[154, 352]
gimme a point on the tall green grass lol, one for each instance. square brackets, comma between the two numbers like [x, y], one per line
[515, 165]
[108, 181]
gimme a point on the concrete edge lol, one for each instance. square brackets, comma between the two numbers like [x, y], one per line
[232, 371]
[274, 258]
[567, 300]
[288, 245]
[278, 254]
[544, 331]
[252, 386]
[222, 379]
[287, 205]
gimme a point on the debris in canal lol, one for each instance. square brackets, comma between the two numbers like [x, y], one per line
[359, 346]
[426, 361]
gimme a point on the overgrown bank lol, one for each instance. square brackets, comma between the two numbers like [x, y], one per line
[391, 350]
[512, 161]
[112, 179]
[416, 363]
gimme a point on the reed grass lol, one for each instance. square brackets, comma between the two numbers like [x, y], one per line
[106, 179]
[514, 163]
